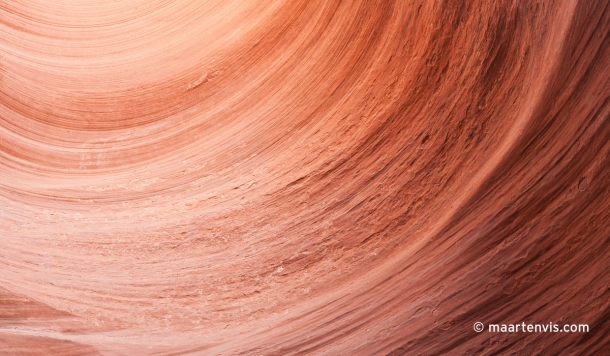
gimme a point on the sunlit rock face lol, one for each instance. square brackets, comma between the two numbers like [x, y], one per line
[303, 177]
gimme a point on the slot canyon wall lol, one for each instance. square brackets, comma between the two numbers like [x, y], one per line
[303, 177]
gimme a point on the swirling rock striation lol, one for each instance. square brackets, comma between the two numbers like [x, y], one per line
[303, 177]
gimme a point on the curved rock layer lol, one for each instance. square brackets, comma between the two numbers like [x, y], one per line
[303, 177]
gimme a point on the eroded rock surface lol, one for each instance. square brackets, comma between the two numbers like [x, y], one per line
[303, 177]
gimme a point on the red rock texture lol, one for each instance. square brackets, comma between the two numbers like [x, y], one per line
[303, 177]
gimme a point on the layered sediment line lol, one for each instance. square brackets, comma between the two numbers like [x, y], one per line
[303, 177]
